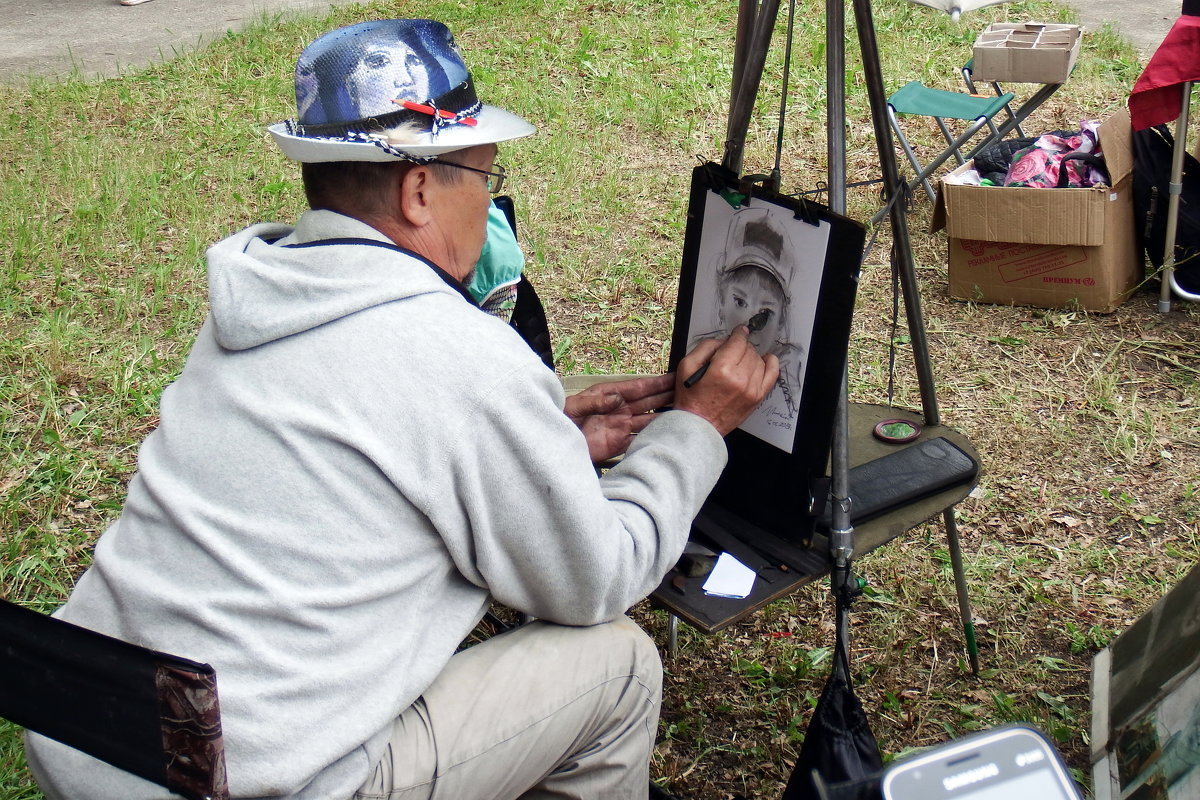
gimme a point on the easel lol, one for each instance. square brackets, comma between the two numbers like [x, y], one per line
[756, 21]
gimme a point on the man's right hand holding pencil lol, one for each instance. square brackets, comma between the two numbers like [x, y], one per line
[724, 380]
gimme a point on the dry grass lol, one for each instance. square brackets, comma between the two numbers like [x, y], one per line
[1086, 512]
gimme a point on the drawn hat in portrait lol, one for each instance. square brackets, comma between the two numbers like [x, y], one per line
[757, 238]
[388, 90]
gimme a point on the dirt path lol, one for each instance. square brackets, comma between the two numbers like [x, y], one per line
[1142, 22]
[100, 37]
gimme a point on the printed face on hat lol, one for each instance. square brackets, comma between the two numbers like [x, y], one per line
[749, 290]
[361, 70]
[386, 72]
[308, 94]
[386, 90]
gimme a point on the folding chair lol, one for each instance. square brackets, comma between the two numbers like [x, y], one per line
[529, 316]
[148, 713]
[968, 76]
[916, 99]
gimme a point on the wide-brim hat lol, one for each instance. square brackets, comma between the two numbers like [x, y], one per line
[388, 90]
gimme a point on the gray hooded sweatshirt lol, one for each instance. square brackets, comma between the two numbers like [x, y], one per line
[352, 463]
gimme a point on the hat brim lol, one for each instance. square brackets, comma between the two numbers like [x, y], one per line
[494, 125]
[758, 262]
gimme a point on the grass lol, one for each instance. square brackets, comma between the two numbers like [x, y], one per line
[1087, 509]
[15, 783]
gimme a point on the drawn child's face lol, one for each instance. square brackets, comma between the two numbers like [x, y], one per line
[750, 290]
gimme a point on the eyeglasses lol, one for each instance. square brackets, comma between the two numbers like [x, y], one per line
[495, 179]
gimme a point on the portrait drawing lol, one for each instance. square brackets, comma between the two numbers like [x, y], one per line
[761, 267]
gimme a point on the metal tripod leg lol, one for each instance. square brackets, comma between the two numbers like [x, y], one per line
[1174, 193]
[960, 586]
[756, 19]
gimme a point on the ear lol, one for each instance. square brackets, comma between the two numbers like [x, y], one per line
[416, 195]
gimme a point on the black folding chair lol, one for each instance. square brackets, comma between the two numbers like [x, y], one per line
[149, 713]
[529, 317]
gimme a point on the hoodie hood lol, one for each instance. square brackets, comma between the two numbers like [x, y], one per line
[271, 280]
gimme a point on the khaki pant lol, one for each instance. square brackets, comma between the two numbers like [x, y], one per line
[545, 711]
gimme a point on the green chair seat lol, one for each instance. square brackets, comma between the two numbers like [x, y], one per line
[916, 98]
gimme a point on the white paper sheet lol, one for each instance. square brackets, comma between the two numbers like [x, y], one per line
[730, 578]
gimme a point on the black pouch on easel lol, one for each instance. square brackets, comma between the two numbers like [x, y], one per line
[902, 476]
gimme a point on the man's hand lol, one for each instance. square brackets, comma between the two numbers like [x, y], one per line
[609, 414]
[735, 382]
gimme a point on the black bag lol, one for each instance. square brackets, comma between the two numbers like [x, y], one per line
[528, 317]
[1152, 153]
[994, 159]
[840, 758]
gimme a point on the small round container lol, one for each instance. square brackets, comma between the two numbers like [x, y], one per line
[897, 431]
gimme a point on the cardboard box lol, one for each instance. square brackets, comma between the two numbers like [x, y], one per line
[1052, 248]
[1026, 52]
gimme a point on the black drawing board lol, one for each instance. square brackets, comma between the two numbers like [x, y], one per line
[793, 266]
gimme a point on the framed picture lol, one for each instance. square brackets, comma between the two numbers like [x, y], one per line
[787, 269]
[1146, 703]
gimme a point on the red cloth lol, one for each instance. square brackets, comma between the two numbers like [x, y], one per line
[1157, 96]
